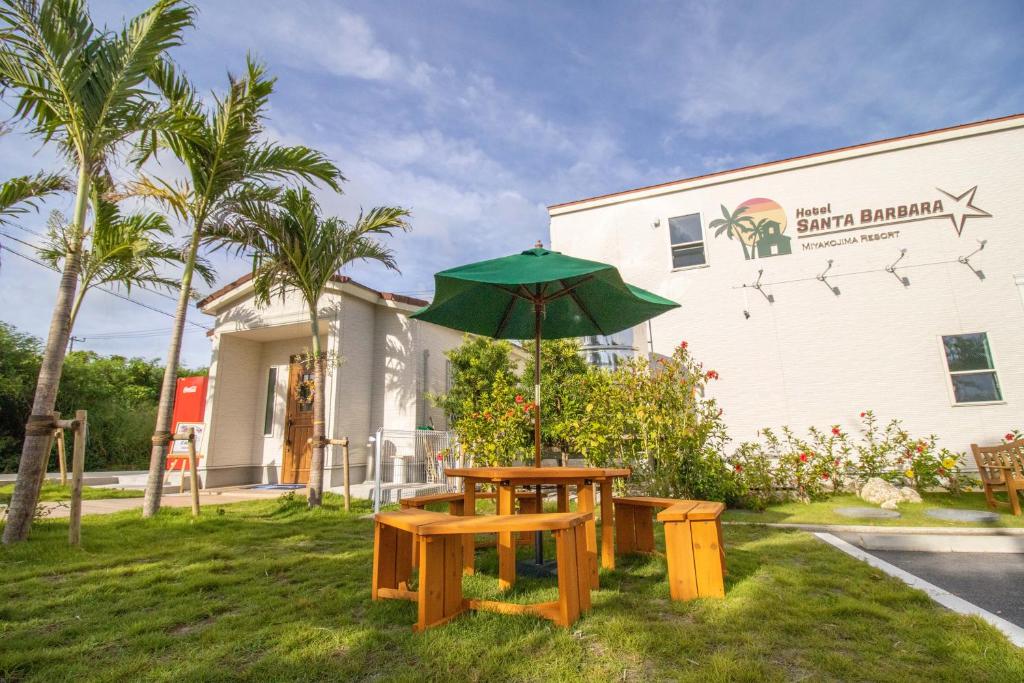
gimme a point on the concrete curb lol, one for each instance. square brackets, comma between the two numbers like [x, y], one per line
[938, 543]
[1014, 633]
[889, 530]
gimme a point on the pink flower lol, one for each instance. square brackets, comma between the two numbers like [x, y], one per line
[712, 374]
[683, 345]
[440, 458]
[835, 431]
[519, 398]
[1009, 436]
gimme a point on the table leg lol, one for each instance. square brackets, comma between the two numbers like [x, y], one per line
[563, 498]
[585, 503]
[607, 527]
[506, 549]
[469, 541]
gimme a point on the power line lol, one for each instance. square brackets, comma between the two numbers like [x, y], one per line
[142, 287]
[108, 291]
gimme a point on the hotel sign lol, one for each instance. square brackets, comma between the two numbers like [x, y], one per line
[760, 224]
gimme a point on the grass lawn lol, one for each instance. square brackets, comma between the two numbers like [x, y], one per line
[911, 514]
[53, 492]
[266, 590]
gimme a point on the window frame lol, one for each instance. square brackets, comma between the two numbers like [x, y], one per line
[951, 389]
[703, 242]
[270, 401]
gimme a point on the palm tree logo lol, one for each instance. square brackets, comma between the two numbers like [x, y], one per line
[759, 224]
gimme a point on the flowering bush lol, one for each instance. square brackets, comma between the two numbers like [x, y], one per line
[657, 421]
[1013, 435]
[497, 429]
[786, 467]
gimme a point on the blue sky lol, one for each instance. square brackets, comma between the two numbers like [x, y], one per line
[477, 115]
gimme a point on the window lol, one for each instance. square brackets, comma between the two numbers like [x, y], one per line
[971, 369]
[687, 241]
[268, 415]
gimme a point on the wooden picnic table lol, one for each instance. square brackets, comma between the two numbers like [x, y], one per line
[506, 479]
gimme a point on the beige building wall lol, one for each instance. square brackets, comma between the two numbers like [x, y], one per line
[813, 357]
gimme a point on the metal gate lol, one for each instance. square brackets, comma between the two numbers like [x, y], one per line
[412, 462]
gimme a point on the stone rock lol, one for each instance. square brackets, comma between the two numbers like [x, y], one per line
[909, 495]
[878, 491]
[890, 505]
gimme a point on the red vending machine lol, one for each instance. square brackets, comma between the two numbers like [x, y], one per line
[189, 411]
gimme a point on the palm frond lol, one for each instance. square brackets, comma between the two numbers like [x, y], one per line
[21, 194]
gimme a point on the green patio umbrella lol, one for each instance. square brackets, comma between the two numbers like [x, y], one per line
[540, 294]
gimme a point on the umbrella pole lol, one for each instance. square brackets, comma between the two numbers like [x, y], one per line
[538, 313]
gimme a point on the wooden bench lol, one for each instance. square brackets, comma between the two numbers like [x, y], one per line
[439, 587]
[694, 550]
[526, 503]
[1001, 468]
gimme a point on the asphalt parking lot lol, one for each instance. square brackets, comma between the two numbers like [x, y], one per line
[990, 580]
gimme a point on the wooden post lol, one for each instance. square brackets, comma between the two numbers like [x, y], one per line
[77, 466]
[49, 447]
[344, 470]
[61, 459]
[193, 484]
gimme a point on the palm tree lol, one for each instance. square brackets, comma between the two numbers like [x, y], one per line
[124, 250]
[294, 248]
[734, 225]
[83, 88]
[227, 164]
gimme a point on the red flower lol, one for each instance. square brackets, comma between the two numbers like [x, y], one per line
[440, 458]
[712, 374]
[739, 468]
[1009, 436]
[835, 431]
[920, 448]
[863, 414]
[803, 457]
[519, 398]
[683, 345]
[824, 475]
[836, 462]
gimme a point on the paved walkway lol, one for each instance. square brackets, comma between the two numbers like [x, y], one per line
[107, 506]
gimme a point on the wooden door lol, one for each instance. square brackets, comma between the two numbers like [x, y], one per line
[298, 426]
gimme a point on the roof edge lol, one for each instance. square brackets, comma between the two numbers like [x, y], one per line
[341, 279]
[936, 131]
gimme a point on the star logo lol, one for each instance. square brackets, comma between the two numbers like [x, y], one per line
[963, 208]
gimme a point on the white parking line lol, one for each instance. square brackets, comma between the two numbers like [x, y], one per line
[943, 597]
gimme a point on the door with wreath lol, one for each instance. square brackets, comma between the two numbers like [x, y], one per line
[299, 424]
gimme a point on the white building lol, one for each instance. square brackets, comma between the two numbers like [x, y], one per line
[258, 418]
[885, 276]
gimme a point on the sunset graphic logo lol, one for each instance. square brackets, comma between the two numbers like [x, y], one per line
[759, 225]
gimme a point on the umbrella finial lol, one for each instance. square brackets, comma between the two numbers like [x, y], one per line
[539, 245]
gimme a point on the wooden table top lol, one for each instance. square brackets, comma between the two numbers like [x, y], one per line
[537, 474]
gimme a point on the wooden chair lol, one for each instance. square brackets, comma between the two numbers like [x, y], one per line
[439, 587]
[694, 550]
[1001, 468]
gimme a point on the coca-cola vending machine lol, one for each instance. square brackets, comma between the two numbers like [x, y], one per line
[189, 412]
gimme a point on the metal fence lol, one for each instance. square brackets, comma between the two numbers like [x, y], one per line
[412, 462]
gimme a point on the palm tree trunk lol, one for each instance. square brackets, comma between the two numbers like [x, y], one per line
[35, 449]
[316, 464]
[165, 409]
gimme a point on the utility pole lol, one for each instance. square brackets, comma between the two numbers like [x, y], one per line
[73, 339]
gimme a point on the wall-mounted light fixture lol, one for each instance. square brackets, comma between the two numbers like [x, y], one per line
[966, 260]
[756, 284]
[834, 290]
[656, 223]
[905, 281]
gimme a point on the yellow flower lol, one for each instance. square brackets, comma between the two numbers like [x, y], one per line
[949, 463]
[909, 474]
